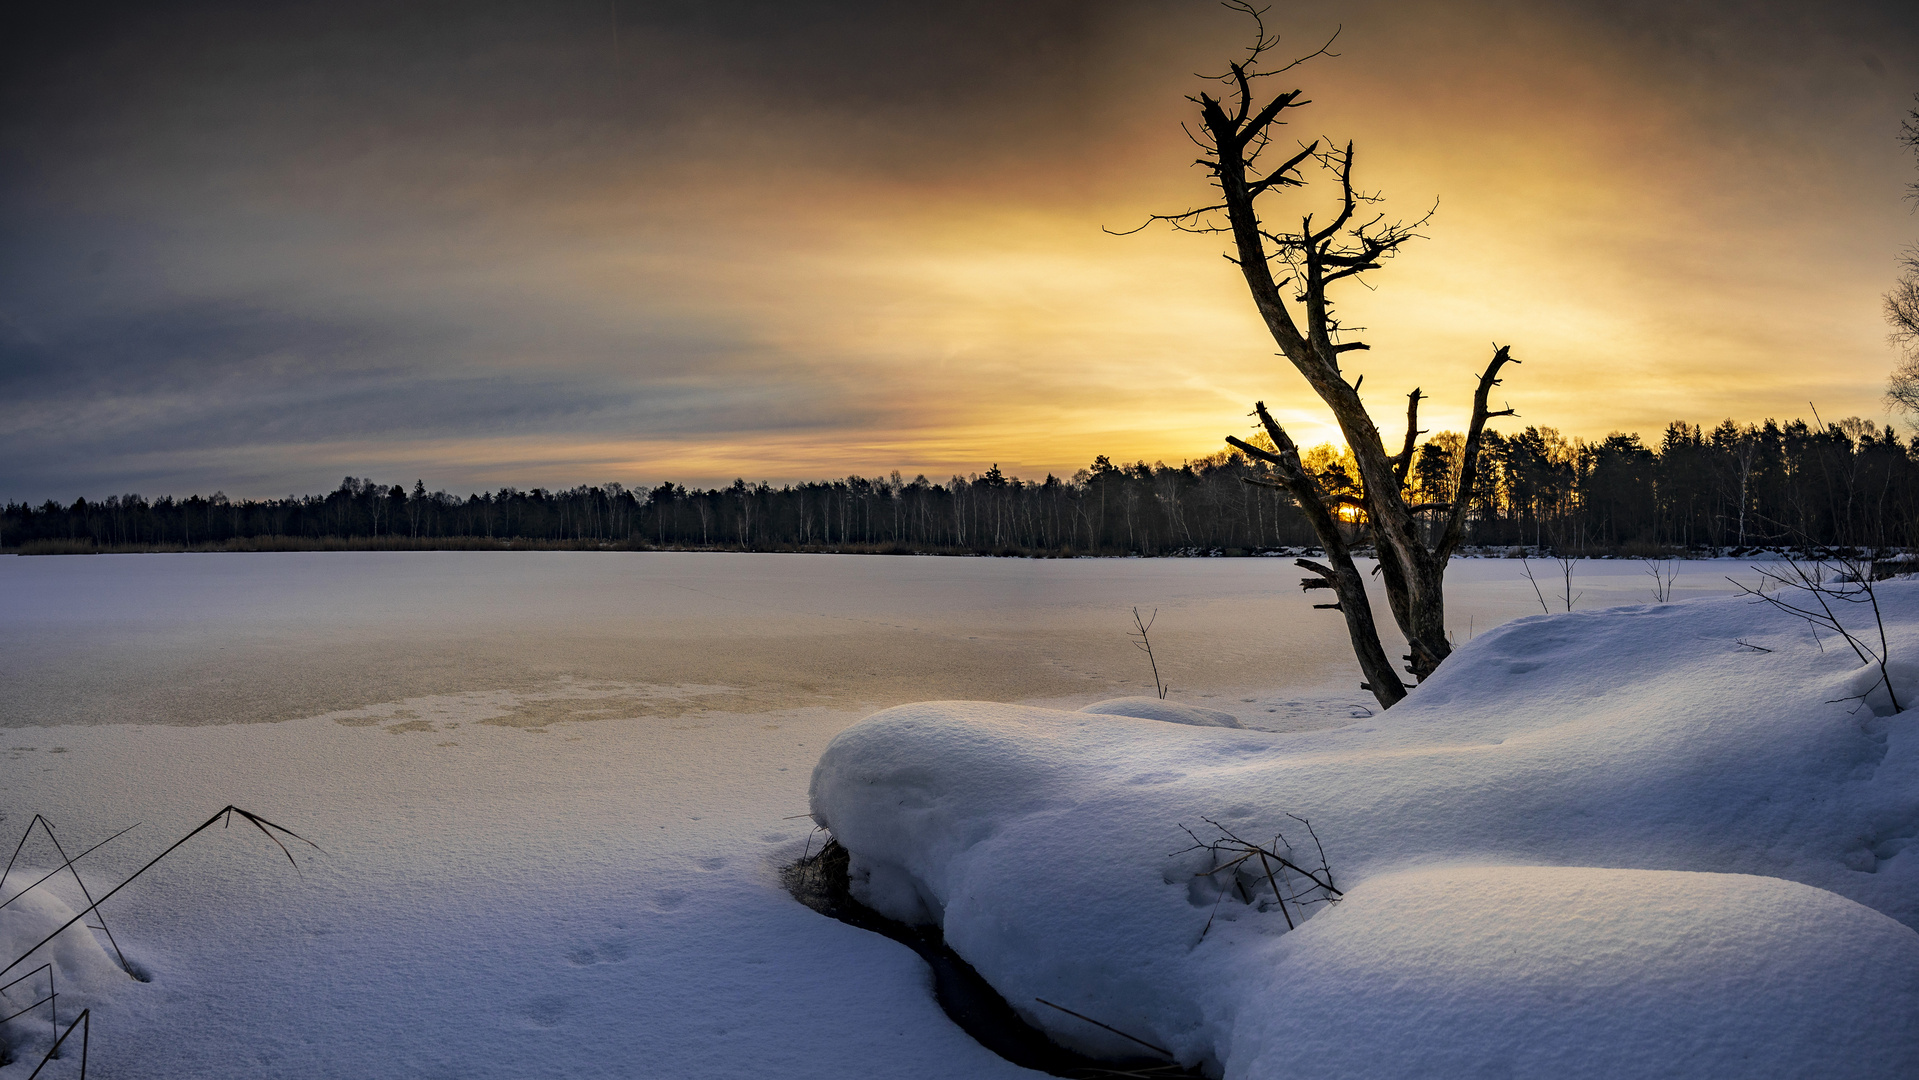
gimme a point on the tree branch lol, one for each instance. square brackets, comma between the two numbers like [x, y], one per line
[1469, 454]
[1278, 176]
[1404, 461]
[1347, 583]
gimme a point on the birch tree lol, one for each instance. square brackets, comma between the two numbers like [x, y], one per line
[1902, 303]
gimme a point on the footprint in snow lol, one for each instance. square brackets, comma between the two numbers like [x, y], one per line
[607, 952]
[1149, 778]
[545, 1012]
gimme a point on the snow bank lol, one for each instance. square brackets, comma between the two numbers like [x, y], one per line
[1646, 739]
[1563, 971]
[82, 972]
[1172, 712]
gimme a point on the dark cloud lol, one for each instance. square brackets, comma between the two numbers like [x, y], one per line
[214, 374]
[213, 87]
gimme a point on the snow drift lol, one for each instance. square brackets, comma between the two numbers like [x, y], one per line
[1605, 843]
[81, 971]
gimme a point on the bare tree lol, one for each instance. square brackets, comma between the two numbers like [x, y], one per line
[1285, 268]
[1663, 573]
[1902, 303]
[1567, 564]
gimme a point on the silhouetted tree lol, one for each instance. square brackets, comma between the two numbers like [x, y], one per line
[1282, 268]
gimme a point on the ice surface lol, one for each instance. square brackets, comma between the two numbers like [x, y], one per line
[1645, 739]
[243, 638]
[553, 788]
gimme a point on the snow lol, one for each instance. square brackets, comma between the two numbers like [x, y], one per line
[1171, 712]
[553, 791]
[73, 967]
[1574, 833]
[1577, 971]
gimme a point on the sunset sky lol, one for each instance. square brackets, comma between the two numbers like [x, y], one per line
[258, 247]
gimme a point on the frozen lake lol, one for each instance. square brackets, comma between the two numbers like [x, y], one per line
[247, 638]
[553, 788]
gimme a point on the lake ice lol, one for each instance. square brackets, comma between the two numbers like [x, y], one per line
[553, 789]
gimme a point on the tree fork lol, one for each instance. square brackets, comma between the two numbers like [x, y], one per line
[1343, 576]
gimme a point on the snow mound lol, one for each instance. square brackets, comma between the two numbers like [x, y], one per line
[1171, 712]
[1568, 972]
[1868, 687]
[1054, 850]
[76, 954]
[83, 971]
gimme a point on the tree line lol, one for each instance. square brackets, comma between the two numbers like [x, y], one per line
[1696, 490]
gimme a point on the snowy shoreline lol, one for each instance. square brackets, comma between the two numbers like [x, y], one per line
[1612, 843]
[555, 790]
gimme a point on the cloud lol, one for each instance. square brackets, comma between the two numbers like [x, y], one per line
[782, 240]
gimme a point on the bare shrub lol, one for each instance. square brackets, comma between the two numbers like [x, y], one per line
[1250, 865]
[1818, 592]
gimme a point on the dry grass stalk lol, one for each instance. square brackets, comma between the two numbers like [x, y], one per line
[267, 828]
[51, 1001]
[67, 864]
[85, 1024]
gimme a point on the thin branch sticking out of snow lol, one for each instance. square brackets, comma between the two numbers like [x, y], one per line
[1804, 591]
[1145, 644]
[1274, 860]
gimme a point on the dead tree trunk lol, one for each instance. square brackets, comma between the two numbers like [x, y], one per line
[1343, 576]
[1236, 129]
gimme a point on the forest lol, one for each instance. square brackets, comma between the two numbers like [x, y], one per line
[1696, 491]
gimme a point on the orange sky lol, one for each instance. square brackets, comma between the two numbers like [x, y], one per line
[297, 250]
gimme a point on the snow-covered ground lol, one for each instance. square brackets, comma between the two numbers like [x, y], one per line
[552, 791]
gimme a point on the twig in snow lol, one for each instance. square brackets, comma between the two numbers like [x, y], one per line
[1804, 592]
[1134, 1038]
[1145, 644]
[1274, 859]
[1526, 571]
[1566, 564]
[1663, 573]
[50, 873]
